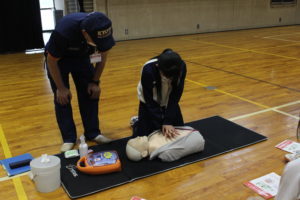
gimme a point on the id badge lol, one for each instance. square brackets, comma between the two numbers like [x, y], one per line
[95, 57]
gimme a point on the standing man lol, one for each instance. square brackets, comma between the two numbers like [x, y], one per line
[78, 46]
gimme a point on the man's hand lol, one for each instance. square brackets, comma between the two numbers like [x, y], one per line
[94, 90]
[169, 131]
[63, 96]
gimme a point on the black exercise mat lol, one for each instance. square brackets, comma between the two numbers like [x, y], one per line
[220, 136]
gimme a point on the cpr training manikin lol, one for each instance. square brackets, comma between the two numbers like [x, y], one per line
[156, 145]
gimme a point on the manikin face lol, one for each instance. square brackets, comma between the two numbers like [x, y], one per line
[137, 148]
[140, 144]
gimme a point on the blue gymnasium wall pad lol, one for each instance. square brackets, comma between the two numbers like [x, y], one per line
[221, 136]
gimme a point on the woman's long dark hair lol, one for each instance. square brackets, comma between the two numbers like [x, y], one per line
[170, 65]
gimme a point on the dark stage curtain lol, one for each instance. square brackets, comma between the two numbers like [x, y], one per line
[81, 6]
[20, 25]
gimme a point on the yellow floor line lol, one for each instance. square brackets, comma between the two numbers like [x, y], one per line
[17, 181]
[281, 35]
[272, 54]
[241, 49]
[267, 108]
[215, 44]
[4, 144]
[126, 67]
[211, 55]
[243, 99]
[287, 45]
[20, 189]
[229, 94]
[295, 41]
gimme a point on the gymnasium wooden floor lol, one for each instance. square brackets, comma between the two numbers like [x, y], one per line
[256, 74]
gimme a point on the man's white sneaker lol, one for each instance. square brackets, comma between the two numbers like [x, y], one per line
[101, 139]
[66, 147]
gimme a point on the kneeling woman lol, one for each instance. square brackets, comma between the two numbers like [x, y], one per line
[159, 92]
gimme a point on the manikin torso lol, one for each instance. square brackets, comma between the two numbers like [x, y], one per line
[157, 139]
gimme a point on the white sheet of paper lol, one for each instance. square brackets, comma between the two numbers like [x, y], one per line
[266, 186]
[289, 146]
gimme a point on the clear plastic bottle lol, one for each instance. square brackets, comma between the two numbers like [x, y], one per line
[83, 147]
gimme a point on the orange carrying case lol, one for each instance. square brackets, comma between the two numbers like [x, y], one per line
[102, 162]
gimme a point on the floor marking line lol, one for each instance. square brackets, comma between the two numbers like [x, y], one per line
[241, 75]
[249, 50]
[5, 178]
[287, 45]
[19, 188]
[295, 41]
[241, 98]
[229, 94]
[197, 83]
[263, 111]
[220, 54]
[214, 44]
[4, 144]
[281, 35]
[287, 104]
[275, 109]
[287, 114]
[17, 181]
[250, 114]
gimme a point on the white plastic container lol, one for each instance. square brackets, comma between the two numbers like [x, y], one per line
[45, 172]
[83, 147]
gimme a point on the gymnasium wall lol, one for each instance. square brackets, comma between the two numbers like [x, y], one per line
[134, 19]
[298, 13]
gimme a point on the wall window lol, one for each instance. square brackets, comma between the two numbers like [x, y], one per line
[79, 6]
[48, 19]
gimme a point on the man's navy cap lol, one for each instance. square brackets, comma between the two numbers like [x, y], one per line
[98, 26]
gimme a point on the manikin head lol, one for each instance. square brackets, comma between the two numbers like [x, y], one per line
[137, 148]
